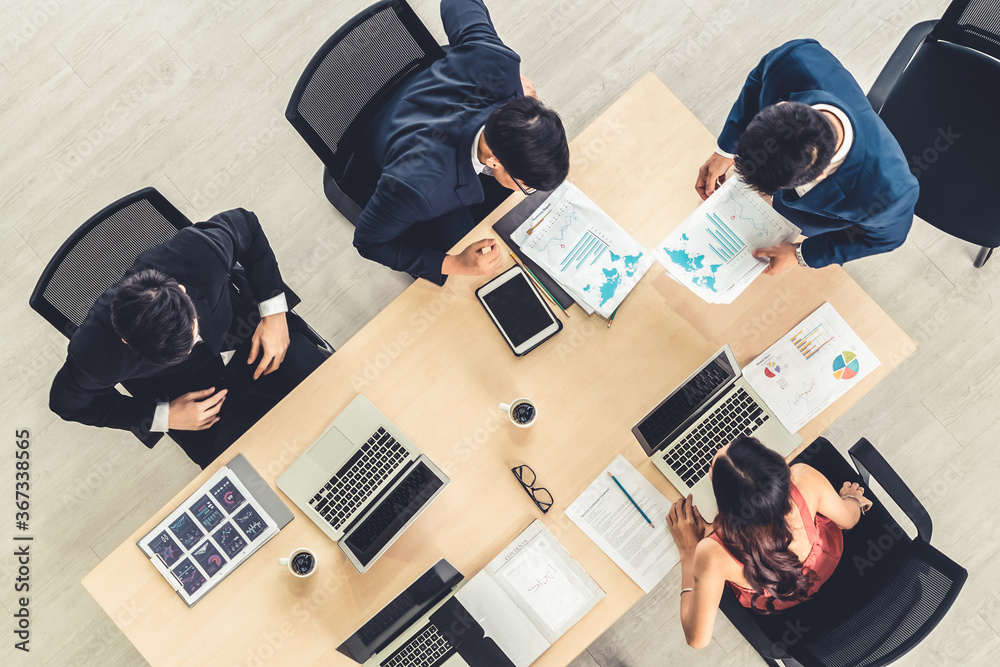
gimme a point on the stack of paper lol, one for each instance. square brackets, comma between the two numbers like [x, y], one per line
[710, 253]
[646, 553]
[810, 367]
[583, 249]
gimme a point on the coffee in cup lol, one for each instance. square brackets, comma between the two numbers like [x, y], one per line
[301, 562]
[522, 412]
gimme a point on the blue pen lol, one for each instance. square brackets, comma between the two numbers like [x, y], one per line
[630, 499]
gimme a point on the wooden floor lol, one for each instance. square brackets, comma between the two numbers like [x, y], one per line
[101, 97]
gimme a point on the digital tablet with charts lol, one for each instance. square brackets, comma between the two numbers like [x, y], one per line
[218, 527]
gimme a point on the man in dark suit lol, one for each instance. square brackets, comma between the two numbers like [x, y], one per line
[441, 146]
[803, 130]
[205, 348]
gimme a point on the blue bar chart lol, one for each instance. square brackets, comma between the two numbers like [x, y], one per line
[588, 247]
[727, 243]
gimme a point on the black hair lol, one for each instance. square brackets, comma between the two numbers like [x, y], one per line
[752, 490]
[785, 146]
[154, 316]
[529, 141]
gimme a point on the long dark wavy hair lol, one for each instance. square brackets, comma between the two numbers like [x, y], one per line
[751, 485]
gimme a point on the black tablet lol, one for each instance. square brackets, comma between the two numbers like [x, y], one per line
[518, 310]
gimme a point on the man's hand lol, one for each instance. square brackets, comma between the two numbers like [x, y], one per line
[529, 87]
[781, 257]
[195, 410]
[712, 174]
[271, 339]
[479, 259]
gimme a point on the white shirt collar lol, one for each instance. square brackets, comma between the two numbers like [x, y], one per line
[841, 154]
[476, 164]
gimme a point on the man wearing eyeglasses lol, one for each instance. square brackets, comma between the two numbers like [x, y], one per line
[430, 161]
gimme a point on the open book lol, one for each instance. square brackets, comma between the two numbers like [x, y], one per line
[536, 588]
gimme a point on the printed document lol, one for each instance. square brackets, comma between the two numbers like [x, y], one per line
[583, 249]
[810, 367]
[710, 253]
[646, 553]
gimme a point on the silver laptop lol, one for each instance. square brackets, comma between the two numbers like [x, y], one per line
[363, 482]
[713, 406]
[438, 621]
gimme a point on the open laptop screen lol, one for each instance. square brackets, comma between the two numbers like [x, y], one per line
[392, 513]
[429, 589]
[681, 407]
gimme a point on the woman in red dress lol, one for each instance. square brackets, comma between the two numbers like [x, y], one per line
[776, 540]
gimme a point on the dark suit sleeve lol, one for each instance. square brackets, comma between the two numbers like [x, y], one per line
[783, 78]
[747, 106]
[236, 236]
[468, 21]
[80, 397]
[390, 213]
[885, 230]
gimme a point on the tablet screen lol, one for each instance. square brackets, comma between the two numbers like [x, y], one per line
[516, 307]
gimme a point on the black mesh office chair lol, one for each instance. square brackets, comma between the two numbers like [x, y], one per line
[888, 592]
[99, 253]
[350, 78]
[101, 250]
[939, 95]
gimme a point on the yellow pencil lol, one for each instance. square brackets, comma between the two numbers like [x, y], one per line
[538, 283]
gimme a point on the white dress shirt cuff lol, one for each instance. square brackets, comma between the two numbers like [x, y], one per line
[724, 153]
[161, 418]
[273, 306]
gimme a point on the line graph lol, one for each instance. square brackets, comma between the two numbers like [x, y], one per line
[804, 391]
[756, 225]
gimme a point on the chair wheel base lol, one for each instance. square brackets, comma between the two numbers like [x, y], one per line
[983, 257]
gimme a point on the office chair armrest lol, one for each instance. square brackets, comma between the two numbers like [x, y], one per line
[897, 62]
[347, 206]
[870, 463]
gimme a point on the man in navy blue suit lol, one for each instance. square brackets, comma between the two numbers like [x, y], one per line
[452, 132]
[803, 131]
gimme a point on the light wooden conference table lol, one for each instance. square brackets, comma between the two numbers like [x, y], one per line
[433, 362]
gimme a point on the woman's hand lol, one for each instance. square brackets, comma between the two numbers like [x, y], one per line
[686, 526]
[856, 490]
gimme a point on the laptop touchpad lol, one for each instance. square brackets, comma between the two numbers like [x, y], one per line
[332, 451]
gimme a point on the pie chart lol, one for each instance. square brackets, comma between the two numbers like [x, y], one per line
[772, 369]
[846, 366]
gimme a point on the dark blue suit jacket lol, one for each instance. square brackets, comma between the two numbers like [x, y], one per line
[866, 206]
[421, 142]
[202, 258]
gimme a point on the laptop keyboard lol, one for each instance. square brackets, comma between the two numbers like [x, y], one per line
[427, 647]
[692, 456]
[354, 483]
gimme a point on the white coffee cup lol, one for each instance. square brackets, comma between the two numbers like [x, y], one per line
[513, 412]
[290, 562]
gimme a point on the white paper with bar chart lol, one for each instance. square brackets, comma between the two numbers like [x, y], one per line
[710, 253]
[583, 249]
[810, 367]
